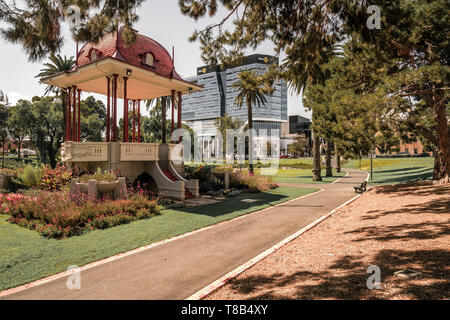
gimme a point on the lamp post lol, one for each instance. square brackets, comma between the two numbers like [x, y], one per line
[371, 165]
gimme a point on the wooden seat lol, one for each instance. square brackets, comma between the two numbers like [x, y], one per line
[361, 188]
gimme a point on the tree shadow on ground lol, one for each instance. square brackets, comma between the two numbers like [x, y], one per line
[230, 205]
[347, 279]
[405, 178]
[421, 231]
[406, 170]
[400, 170]
[422, 188]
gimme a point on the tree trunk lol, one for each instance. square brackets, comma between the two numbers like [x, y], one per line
[316, 158]
[250, 137]
[164, 119]
[19, 148]
[338, 161]
[329, 171]
[3, 153]
[442, 161]
[52, 152]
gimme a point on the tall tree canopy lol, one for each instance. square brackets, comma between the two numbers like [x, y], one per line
[36, 24]
[18, 123]
[413, 34]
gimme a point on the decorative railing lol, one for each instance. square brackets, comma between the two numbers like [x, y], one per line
[84, 151]
[139, 151]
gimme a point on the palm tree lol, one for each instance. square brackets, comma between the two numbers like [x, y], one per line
[57, 65]
[251, 92]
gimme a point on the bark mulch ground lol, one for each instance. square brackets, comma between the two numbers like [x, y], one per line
[392, 227]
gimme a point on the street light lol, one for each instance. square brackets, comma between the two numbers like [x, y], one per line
[371, 165]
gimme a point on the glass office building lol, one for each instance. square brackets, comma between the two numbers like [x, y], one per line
[218, 98]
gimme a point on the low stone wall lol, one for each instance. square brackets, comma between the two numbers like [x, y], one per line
[92, 188]
[5, 181]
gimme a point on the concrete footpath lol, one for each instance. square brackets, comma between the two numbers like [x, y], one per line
[177, 269]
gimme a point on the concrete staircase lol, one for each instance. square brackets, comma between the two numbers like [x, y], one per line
[171, 177]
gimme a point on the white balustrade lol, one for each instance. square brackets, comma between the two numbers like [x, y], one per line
[139, 151]
[84, 151]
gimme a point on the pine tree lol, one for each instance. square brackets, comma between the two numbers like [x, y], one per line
[413, 35]
[37, 25]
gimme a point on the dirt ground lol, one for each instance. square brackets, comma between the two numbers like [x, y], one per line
[392, 227]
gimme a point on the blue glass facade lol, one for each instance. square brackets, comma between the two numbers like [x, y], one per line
[218, 97]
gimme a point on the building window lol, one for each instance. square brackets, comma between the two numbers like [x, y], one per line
[94, 54]
[148, 59]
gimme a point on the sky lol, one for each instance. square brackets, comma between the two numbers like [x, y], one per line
[159, 19]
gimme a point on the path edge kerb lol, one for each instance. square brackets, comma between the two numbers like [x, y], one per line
[219, 283]
[56, 276]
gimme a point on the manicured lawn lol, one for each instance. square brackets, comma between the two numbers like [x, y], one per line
[282, 162]
[290, 162]
[303, 176]
[396, 170]
[25, 256]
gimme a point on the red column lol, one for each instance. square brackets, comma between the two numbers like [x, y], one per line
[114, 129]
[179, 113]
[139, 120]
[108, 109]
[125, 110]
[134, 120]
[173, 113]
[68, 111]
[74, 124]
[79, 116]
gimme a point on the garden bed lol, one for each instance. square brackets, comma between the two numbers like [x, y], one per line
[54, 215]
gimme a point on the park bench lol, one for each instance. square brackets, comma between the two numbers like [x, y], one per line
[361, 188]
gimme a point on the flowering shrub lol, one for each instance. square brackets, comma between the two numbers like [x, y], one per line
[53, 215]
[254, 183]
[103, 222]
[55, 179]
[202, 173]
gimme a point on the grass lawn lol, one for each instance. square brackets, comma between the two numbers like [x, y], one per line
[290, 162]
[396, 170]
[282, 162]
[303, 176]
[25, 256]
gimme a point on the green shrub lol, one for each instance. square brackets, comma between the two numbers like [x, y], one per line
[204, 174]
[100, 175]
[8, 171]
[31, 176]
